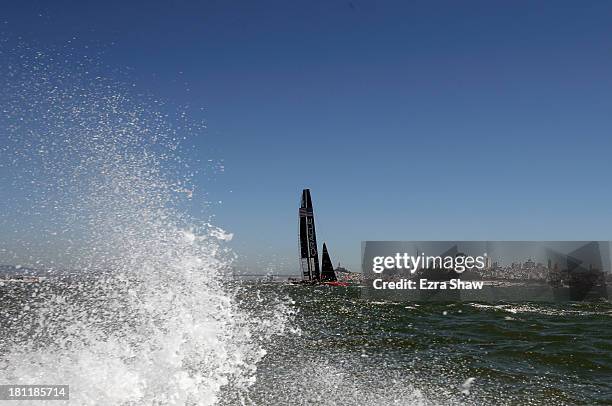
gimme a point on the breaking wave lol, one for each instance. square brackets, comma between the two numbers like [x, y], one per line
[136, 308]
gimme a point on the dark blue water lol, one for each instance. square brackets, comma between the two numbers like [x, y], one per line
[352, 351]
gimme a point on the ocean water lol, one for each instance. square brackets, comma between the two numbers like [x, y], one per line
[326, 347]
[355, 352]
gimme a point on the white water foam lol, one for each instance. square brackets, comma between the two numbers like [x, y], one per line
[147, 318]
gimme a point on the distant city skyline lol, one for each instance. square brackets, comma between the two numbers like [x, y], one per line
[407, 120]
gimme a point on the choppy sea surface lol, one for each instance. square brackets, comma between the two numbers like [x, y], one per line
[334, 349]
[352, 351]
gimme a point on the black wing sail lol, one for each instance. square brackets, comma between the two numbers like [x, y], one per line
[327, 269]
[309, 255]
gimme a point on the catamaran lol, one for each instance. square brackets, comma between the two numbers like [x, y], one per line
[309, 254]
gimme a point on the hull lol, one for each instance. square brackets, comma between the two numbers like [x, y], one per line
[336, 283]
[319, 283]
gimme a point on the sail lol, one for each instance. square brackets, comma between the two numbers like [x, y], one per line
[309, 255]
[327, 269]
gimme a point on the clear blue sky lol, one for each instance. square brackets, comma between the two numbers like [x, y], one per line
[408, 120]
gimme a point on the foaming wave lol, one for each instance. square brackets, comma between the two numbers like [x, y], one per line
[539, 309]
[147, 317]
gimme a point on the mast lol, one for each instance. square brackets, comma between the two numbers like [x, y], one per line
[309, 255]
[327, 269]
